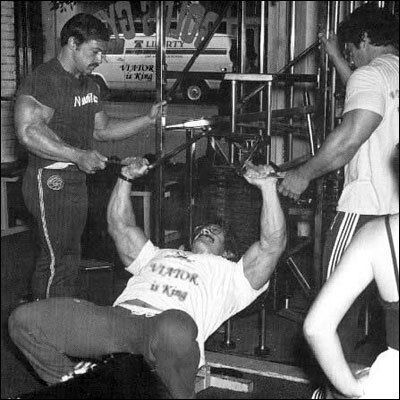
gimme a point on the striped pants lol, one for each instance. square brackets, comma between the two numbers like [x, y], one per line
[58, 201]
[339, 235]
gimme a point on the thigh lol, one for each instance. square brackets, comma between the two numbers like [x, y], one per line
[83, 329]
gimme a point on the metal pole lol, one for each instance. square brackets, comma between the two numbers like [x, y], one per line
[283, 70]
[261, 62]
[190, 157]
[292, 42]
[335, 17]
[243, 49]
[159, 139]
[306, 99]
[269, 122]
[202, 45]
[233, 121]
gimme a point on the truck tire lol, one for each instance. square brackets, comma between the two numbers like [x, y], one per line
[105, 92]
[195, 92]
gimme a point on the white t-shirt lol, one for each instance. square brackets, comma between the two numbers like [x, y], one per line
[209, 288]
[370, 186]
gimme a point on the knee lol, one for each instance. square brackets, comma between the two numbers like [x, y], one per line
[19, 320]
[176, 330]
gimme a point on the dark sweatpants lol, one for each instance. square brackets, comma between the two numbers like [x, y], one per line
[48, 331]
[58, 201]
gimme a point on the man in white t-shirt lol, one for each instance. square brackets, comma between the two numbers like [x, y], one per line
[365, 141]
[174, 301]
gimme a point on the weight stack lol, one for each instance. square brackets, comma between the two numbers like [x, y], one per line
[228, 197]
[97, 281]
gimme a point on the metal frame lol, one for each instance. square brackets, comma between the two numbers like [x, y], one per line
[325, 81]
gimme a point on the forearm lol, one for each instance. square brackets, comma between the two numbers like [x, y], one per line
[120, 214]
[342, 67]
[272, 220]
[118, 129]
[42, 141]
[332, 155]
[329, 353]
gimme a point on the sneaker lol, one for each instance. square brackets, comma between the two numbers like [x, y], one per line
[319, 393]
[79, 369]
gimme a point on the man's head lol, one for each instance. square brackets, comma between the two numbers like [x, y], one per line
[84, 37]
[368, 30]
[215, 238]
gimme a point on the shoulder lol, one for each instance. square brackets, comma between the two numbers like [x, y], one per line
[379, 67]
[46, 70]
[45, 75]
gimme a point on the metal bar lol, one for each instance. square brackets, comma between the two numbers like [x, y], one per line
[306, 98]
[190, 158]
[261, 63]
[216, 145]
[287, 67]
[292, 40]
[268, 123]
[335, 17]
[284, 113]
[286, 78]
[177, 150]
[233, 120]
[202, 45]
[159, 139]
[299, 276]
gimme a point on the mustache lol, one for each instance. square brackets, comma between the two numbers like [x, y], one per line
[94, 65]
[205, 235]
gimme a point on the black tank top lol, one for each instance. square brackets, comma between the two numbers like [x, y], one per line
[391, 309]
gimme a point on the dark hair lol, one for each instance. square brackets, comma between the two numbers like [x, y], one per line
[230, 242]
[381, 26]
[84, 27]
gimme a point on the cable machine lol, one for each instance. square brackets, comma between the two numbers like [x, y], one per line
[310, 123]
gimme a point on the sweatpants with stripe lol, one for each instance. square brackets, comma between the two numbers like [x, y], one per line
[52, 331]
[58, 201]
[338, 237]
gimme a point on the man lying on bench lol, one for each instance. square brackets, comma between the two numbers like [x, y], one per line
[174, 301]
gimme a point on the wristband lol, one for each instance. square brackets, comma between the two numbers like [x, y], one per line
[125, 178]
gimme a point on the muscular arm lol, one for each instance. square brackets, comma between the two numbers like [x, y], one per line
[342, 144]
[351, 277]
[107, 128]
[128, 237]
[331, 47]
[262, 257]
[338, 149]
[31, 122]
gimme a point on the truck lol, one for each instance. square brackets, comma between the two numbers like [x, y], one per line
[130, 65]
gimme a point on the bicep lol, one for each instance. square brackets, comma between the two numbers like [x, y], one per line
[30, 112]
[259, 264]
[129, 242]
[358, 125]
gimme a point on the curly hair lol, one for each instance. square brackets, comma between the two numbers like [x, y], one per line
[381, 26]
[230, 242]
[84, 27]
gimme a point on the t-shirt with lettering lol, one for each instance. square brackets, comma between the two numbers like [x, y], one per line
[209, 288]
[75, 102]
